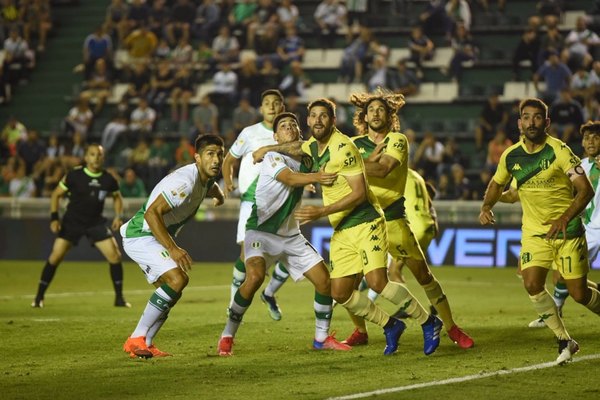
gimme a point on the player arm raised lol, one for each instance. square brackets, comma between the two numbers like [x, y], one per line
[118, 207]
[217, 195]
[293, 149]
[583, 194]
[357, 196]
[230, 167]
[154, 218]
[292, 178]
[57, 193]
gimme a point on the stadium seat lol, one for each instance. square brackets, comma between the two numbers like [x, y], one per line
[427, 94]
[514, 91]
[446, 91]
[314, 91]
[339, 91]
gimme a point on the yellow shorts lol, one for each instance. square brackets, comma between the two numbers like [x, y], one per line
[402, 241]
[569, 257]
[359, 249]
[424, 234]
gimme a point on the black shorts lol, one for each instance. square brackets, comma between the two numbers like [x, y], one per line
[72, 232]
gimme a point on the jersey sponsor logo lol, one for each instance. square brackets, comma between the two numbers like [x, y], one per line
[525, 257]
[398, 145]
[350, 160]
[94, 182]
[516, 167]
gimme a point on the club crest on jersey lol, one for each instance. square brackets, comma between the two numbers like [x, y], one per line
[255, 245]
[544, 164]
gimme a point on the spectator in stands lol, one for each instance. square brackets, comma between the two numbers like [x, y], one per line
[160, 160]
[435, 19]
[54, 149]
[182, 54]
[112, 131]
[265, 14]
[138, 160]
[270, 76]
[355, 56]
[13, 132]
[98, 86]
[205, 117]
[138, 16]
[97, 45]
[592, 16]
[225, 47]
[452, 155]
[225, 89]
[240, 17]
[18, 59]
[591, 109]
[21, 185]
[550, 10]
[142, 119]
[429, 156]
[116, 19]
[139, 81]
[161, 86]
[444, 187]
[479, 186]
[158, 18]
[207, 20]
[31, 150]
[288, 13]
[578, 45]
[421, 49]
[566, 115]
[459, 13]
[162, 51]
[527, 50]
[292, 104]
[79, 119]
[244, 115]
[584, 85]
[412, 147]
[511, 128]
[249, 81]
[9, 16]
[460, 184]
[179, 25]
[464, 50]
[131, 186]
[404, 81]
[141, 44]
[555, 74]
[184, 153]
[36, 18]
[379, 75]
[496, 147]
[493, 116]
[50, 174]
[552, 42]
[291, 47]
[266, 44]
[182, 93]
[295, 82]
[330, 15]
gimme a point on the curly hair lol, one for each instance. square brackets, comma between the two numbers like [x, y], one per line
[392, 102]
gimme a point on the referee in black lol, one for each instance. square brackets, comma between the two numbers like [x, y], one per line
[87, 188]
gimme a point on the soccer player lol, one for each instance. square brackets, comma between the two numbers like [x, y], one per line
[250, 139]
[87, 187]
[359, 241]
[385, 151]
[590, 133]
[148, 238]
[547, 175]
[273, 234]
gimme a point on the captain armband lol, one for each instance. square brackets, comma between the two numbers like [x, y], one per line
[575, 172]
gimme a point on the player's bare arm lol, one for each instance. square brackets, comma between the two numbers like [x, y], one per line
[509, 196]
[154, 218]
[357, 196]
[293, 149]
[118, 208]
[216, 194]
[583, 194]
[57, 193]
[381, 168]
[295, 179]
[230, 168]
[492, 195]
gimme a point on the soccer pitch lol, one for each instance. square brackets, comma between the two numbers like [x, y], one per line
[72, 349]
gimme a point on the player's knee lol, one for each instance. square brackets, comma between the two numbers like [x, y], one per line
[581, 295]
[323, 288]
[533, 287]
[177, 280]
[254, 278]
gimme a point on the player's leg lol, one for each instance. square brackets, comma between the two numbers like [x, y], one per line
[360, 335]
[239, 269]
[110, 251]
[59, 250]
[573, 266]
[278, 278]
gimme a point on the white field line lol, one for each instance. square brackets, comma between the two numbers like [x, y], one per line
[459, 379]
[139, 291]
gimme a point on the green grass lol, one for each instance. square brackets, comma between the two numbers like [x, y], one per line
[72, 348]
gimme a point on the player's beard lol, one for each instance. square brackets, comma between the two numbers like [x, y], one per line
[535, 135]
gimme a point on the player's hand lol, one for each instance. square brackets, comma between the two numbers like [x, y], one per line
[55, 226]
[181, 258]
[325, 178]
[377, 152]
[218, 201]
[486, 217]
[258, 155]
[310, 188]
[557, 226]
[308, 213]
[116, 224]
[229, 187]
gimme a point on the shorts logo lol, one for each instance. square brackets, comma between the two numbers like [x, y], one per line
[525, 258]
[255, 245]
[164, 254]
[376, 248]
[374, 237]
[372, 228]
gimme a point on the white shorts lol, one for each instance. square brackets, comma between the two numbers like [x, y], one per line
[151, 256]
[593, 240]
[295, 252]
[245, 211]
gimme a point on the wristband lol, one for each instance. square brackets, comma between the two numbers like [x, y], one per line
[54, 216]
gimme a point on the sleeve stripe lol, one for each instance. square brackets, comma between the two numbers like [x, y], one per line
[233, 154]
[166, 196]
[62, 185]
